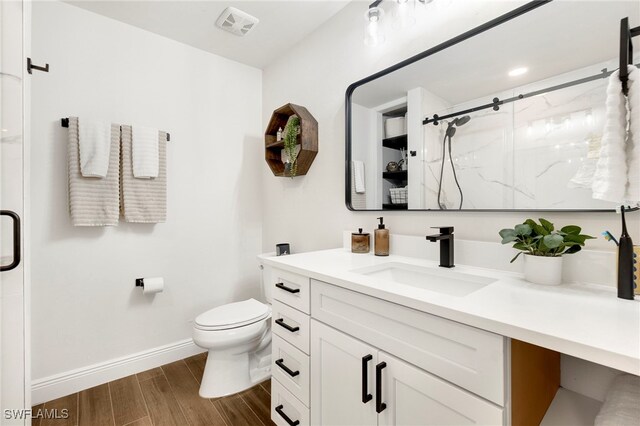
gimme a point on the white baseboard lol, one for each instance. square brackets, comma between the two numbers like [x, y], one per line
[58, 385]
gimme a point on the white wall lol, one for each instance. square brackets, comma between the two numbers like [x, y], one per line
[85, 307]
[316, 74]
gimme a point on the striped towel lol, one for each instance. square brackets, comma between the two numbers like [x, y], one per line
[93, 201]
[145, 152]
[143, 200]
[358, 200]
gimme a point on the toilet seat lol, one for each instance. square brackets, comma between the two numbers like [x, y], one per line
[232, 315]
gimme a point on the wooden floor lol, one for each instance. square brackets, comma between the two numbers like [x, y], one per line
[166, 395]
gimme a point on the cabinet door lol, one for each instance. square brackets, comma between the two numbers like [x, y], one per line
[342, 373]
[415, 397]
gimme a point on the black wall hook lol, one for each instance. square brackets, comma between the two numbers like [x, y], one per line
[31, 67]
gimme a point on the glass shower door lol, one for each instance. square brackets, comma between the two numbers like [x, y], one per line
[13, 392]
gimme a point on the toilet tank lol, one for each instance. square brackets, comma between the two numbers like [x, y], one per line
[266, 282]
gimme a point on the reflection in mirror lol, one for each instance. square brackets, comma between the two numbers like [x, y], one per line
[510, 119]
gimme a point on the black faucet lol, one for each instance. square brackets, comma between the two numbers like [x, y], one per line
[446, 245]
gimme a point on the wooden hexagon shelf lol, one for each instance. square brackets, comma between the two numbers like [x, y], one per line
[308, 139]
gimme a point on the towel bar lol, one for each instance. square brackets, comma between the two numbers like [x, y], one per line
[64, 122]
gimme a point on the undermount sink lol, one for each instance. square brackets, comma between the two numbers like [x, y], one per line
[435, 279]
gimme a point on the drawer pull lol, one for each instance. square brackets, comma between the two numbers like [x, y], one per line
[285, 417]
[366, 396]
[380, 406]
[281, 323]
[280, 363]
[289, 289]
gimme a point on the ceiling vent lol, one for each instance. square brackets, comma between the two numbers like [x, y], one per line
[236, 21]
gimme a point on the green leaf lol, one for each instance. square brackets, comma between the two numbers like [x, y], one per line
[588, 237]
[523, 229]
[575, 238]
[553, 241]
[573, 249]
[571, 229]
[546, 224]
[521, 246]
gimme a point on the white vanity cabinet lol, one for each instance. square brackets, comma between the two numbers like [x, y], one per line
[341, 357]
[353, 383]
[289, 348]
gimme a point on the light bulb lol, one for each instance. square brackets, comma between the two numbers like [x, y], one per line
[404, 14]
[374, 32]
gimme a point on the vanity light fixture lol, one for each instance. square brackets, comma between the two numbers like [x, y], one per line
[518, 71]
[374, 31]
[404, 14]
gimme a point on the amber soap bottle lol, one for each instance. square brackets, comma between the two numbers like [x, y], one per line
[381, 239]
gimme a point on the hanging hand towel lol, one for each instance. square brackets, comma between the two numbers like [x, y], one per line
[633, 138]
[93, 201]
[95, 145]
[143, 200]
[358, 168]
[610, 178]
[145, 152]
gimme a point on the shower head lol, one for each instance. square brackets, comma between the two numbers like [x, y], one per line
[451, 130]
[461, 121]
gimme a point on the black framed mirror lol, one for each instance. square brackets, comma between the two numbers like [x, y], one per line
[508, 116]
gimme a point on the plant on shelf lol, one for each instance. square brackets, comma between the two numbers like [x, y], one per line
[540, 241]
[291, 131]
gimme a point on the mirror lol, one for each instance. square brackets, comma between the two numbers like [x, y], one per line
[519, 114]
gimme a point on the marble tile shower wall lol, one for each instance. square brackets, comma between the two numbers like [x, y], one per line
[536, 153]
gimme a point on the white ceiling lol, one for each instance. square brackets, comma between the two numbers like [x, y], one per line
[282, 23]
[556, 38]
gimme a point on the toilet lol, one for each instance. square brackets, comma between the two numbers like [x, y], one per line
[238, 338]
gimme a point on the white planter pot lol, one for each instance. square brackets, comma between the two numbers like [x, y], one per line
[542, 269]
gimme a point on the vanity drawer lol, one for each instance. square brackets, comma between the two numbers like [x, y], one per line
[290, 288]
[290, 367]
[286, 406]
[291, 325]
[471, 358]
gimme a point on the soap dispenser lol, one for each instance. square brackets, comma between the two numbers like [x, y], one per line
[381, 239]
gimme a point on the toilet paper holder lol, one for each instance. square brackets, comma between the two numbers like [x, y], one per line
[140, 282]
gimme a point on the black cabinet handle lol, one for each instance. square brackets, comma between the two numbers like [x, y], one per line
[380, 406]
[289, 289]
[280, 363]
[281, 323]
[16, 240]
[285, 417]
[366, 396]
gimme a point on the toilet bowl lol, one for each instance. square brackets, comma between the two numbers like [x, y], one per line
[238, 338]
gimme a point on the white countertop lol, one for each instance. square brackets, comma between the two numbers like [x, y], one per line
[585, 321]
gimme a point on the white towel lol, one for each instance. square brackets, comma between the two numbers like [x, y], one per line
[143, 200]
[610, 178]
[633, 138]
[145, 152]
[621, 407]
[95, 145]
[358, 168]
[93, 201]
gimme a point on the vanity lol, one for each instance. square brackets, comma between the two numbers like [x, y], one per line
[366, 340]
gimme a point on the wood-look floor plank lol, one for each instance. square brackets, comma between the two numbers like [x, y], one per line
[198, 411]
[145, 421]
[259, 401]
[35, 413]
[266, 385]
[149, 374]
[95, 407]
[162, 404]
[65, 406]
[236, 412]
[127, 400]
[196, 365]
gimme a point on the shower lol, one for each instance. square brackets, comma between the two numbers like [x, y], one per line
[448, 134]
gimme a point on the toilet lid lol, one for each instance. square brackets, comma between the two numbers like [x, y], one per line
[233, 314]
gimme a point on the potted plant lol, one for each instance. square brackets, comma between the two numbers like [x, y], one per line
[543, 247]
[291, 131]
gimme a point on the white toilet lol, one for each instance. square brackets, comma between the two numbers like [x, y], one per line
[238, 338]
